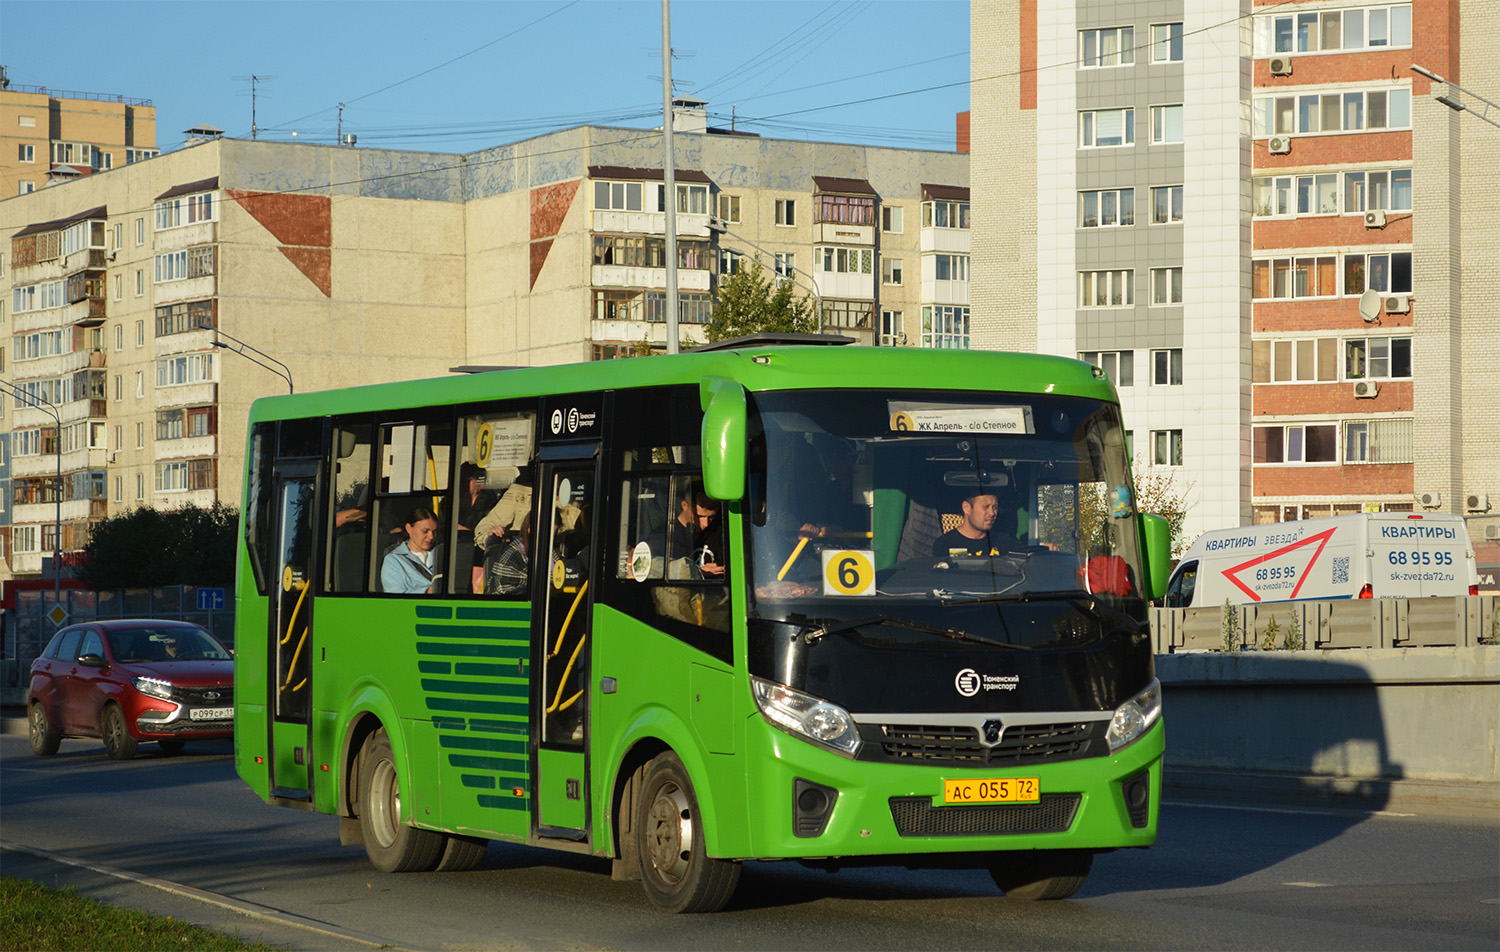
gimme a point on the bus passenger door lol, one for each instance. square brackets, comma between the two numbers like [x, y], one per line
[567, 545]
[291, 612]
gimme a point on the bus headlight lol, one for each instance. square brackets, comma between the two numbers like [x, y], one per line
[806, 716]
[1135, 716]
[154, 687]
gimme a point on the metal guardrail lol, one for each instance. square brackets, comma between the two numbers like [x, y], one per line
[27, 629]
[1340, 623]
[72, 94]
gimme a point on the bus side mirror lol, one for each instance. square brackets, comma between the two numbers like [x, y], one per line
[724, 450]
[1156, 546]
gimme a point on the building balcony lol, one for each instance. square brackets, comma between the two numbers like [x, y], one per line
[945, 292]
[946, 240]
[177, 499]
[86, 259]
[835, 233]
[188, 289]
[832, 284]
[633, 332]
[86, 312]
[186, 342]
[625, 276]
[649, 223]
[188, 447]
[171, 239]
[57, 366]
[187, 395]
[45, 513]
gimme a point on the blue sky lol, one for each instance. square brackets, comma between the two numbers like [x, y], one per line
[455, 77]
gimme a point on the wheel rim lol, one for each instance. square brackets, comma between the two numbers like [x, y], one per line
[114, 729]
[385, 803]
[38, 725]
[669, 834]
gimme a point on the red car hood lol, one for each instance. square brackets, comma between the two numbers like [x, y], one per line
[185, 673]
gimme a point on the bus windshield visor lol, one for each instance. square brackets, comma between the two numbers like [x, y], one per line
[874, 496]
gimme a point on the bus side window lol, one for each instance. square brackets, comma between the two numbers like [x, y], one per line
[349, 512]
[412, 474]
[492, 499]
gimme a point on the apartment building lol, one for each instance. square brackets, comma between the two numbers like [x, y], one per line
[1259, 221]
[124, 292]
[51, 135]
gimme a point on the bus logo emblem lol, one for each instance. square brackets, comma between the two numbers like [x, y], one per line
[572, 419]
[967, 682]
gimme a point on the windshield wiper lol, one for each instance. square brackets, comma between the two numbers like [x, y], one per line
[893, 621]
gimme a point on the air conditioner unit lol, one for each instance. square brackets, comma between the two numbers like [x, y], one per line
[1397, 304]
[1365, 389]
[1280, 145]
[1281, 66]
[1375, 219]
[1477, 502]
[1430, 500]
[1492, 533]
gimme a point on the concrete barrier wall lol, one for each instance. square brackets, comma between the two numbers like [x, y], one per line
[1339, 623]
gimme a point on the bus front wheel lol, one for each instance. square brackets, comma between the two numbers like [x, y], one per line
[393, 847]
[676, 870]
[1042, 875]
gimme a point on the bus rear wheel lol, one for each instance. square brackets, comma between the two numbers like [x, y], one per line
[461, 853]
[676, 871]
[393, 846]
[1042, 875]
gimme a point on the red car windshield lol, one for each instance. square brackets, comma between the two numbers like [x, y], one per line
[164, 644]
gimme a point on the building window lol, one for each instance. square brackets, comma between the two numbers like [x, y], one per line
[26, 153]
[1296, 444]
[891, 333]
[1294, 361]
[119, 287]
[1118, 365]
[1378, 441]
[785, 264]
[786, 211]
[892, 219]
[25, 188]
[140, 486]
[1384, 191]
[1166, 204]
[691, 199]
[1102, 128]
[951, 267]
[140, 436]
[1106, 288]
[729, 261]
[729, 208]
[1166, 285]
[1287, 278]
[119, 388]
[1166, 42]
[119, 489]
[184, 369]
[1387, 273]
[1324, 113]
[890, 271]
[1114, 46]
[1166, 367]
[1166, 447]
[1377, 358]
[140, 384]
[140, 333]
[1361, 28]
[140, 232]
[945, 327]
[140, 282]
[844, 209]
[945, 214]
[119, 337]
[1106, 208]
[845, 260]
[617, 196]
[1285, 196]
[184, 210]
[133, 156]
[1166, 124]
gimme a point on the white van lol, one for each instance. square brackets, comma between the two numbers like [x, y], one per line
[1374, 555]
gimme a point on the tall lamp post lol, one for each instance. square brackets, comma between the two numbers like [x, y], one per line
[719, 228]
[1453, 103]
[22, 396]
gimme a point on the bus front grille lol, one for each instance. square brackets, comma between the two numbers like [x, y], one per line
[1019, 745]
[916, 816]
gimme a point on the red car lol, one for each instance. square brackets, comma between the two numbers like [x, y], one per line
[131, 681]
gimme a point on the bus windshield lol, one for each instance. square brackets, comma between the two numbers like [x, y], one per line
[862, 501]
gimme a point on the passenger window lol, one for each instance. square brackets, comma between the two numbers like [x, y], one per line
[92, 645]
[493, 502]
[411, 508]
[349, 513]
[67, 649]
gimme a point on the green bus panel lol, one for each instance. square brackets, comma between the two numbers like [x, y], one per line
[560, 799]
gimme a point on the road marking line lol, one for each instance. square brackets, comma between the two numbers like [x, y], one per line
[1250, 809]
[251, 909]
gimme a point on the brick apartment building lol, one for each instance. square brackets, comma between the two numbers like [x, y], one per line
[1216, 189]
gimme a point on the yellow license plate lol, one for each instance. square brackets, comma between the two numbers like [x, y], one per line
[1009, 790]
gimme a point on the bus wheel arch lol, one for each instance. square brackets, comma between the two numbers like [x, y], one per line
[354, 748]
[628, 777]
[393, 846]
[670, 843]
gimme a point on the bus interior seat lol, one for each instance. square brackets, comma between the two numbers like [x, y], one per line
[923, 525]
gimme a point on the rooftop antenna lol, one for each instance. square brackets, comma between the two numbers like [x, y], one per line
[254, 81]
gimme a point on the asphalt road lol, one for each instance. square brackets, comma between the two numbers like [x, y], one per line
[182, 836]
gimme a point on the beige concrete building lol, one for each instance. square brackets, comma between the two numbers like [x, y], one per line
[122, 291]
[52, 135]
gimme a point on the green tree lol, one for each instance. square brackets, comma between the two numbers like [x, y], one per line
[144, 547]
[750, 302]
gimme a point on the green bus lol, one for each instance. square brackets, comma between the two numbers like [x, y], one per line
[772, 599]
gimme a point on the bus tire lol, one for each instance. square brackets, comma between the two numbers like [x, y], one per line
[393, 846]
[461, 853]
[676, 871]
[44, 740]
[118, 743]
[1042, 875]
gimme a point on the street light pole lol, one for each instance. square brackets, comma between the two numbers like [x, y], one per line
[285, 373]
[718, 227]
[57, 494]
[1453, 103]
